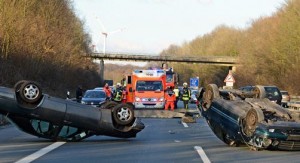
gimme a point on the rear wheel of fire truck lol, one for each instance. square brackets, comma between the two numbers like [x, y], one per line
[123, 114]
[211, 93]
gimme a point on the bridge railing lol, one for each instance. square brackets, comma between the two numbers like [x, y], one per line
[219, 60]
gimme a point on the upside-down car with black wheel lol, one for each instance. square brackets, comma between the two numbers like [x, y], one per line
[238, 117]
[59, 119]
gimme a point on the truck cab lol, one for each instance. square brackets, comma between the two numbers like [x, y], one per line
[145, 88]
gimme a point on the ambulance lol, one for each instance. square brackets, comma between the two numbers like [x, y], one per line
[145, 89]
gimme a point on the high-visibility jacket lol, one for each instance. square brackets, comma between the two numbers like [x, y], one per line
[170, 96]
[186, 94]
[118, 95]
[170, 99]
[107, 91]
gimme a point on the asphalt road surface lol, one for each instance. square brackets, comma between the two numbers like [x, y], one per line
[163, 140]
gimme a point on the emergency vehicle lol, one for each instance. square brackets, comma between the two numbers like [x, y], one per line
[145, 88]
[171, 78]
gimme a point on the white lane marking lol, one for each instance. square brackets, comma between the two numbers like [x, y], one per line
[202, 154]
[184, 124]
[40, 152]
[177, 141]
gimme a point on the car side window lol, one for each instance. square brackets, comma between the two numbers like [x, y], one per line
[44, 128]
[67, 131]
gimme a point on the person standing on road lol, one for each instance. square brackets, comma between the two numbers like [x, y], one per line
[107, 91]
[186, 95]
[79, 93]
[118, 96]
[68, 95]
[170, 99]
[176, 91]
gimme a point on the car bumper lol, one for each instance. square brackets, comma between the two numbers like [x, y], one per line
[141, 105]
[282, 138]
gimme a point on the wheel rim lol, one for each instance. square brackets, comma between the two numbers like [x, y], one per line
[124, 114]
[251, 120]
[31, 92]
[207, 99]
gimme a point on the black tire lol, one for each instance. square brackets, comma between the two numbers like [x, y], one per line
[30, 92]
[250, 122]
[109, 105]
[260, 92]
[123, 114]
[211, 92]
[18, 85]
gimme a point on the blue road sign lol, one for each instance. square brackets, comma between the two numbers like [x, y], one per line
[194, 82]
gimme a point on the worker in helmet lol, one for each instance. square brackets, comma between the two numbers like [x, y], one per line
[170, 98]
[186, 95]
[119, 93]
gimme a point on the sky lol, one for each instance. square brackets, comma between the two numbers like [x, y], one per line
[149, 26]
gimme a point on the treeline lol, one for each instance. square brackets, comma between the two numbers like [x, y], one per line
[269, 51]
[44, 41]
[117, 72]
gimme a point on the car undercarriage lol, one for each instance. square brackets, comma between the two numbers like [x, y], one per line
[239, 118]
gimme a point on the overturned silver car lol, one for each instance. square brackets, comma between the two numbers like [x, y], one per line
[238, 118]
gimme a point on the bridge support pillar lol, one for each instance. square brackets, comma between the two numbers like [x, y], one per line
[101, 68]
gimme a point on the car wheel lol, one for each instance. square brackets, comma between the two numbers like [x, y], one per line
[211, 93]
[259, 92]
[250, 122]
[109, 105]
[18, 85]
[30, 92]
[123, 114]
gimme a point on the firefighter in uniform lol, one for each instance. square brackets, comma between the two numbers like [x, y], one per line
[170, 99]
[186, 95]
[118, 94]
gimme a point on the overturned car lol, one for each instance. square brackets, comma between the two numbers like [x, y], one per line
[238, 118]
[59, 119]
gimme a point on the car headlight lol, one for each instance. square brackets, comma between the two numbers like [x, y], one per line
[137, 99]
[271, 130]
[83, 102]
[161, 99]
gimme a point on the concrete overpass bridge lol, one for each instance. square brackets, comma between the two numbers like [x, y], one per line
[216, 60]
[213, 60]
